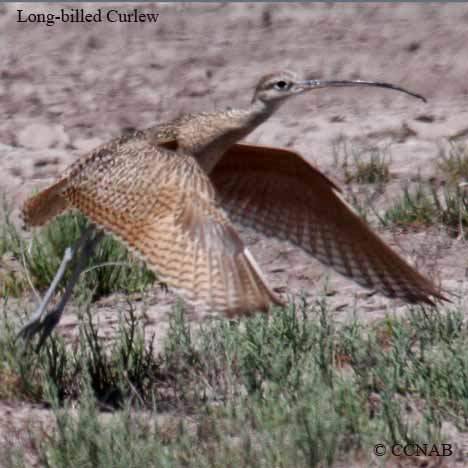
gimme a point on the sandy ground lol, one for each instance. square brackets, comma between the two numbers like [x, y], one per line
[68, 87]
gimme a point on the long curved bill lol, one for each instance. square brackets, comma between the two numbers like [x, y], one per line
[308, 85]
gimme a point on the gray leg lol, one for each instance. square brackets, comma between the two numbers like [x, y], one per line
[45, 322]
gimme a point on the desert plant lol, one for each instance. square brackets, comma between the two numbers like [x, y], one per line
[361, 164]
[453, 161]
[426, 206]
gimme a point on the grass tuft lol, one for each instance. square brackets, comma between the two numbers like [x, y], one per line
[360, 164]
[453, 162]
[110, 269]
[426, 206]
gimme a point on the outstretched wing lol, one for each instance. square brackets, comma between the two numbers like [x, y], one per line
[162, 205]
[279, 194]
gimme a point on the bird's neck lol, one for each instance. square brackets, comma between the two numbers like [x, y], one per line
[208, 136]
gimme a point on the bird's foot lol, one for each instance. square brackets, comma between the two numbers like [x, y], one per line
[42, 325]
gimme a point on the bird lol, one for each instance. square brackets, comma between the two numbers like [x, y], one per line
[173, 193]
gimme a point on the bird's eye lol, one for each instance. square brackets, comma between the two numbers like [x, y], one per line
[281, 85]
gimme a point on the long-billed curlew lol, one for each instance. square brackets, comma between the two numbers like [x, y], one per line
[171, 192]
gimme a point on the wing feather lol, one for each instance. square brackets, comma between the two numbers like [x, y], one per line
[292, 200]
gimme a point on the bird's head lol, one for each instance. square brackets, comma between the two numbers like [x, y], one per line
[277, 87]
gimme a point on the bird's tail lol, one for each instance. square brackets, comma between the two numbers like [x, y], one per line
[45, 205]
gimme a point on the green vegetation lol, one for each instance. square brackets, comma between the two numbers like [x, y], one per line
[453, 162]
[110, 269]
[361, 165]
[426, 206]
[293, 389]
[420, 206]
